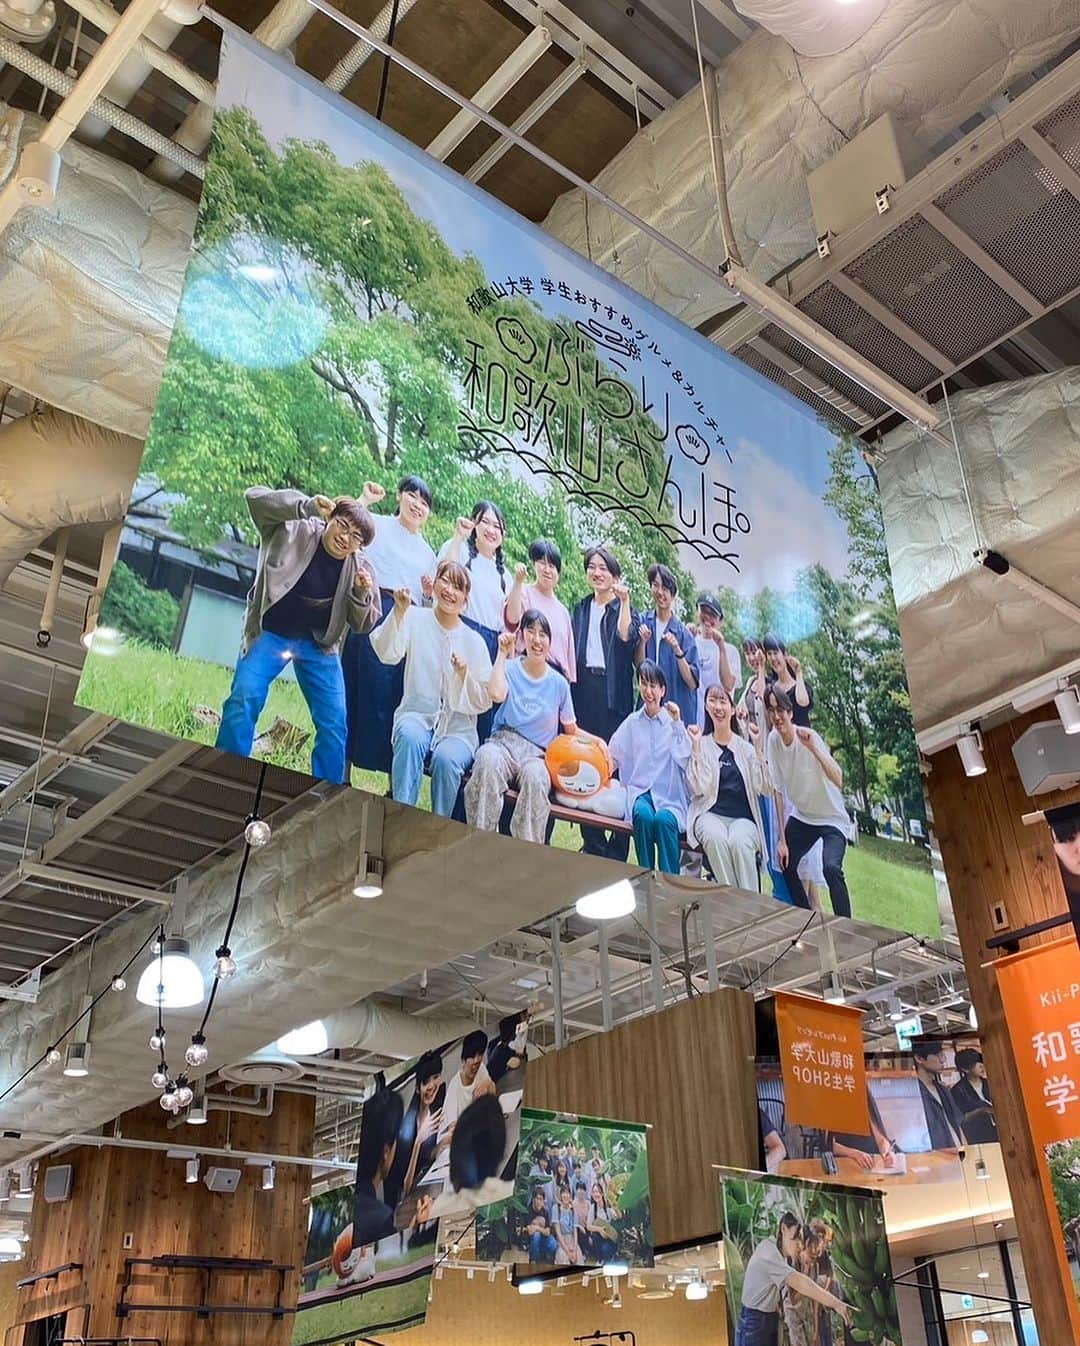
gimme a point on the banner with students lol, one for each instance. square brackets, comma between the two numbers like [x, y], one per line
[581, 1196]
[431, 504]
[436, 1143]
[1064, 824]
[796, 1252]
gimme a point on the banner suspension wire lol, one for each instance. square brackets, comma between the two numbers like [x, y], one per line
[770, 302]
[711, 103]
[960, 465]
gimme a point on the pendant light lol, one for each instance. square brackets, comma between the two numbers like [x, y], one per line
[171, 980]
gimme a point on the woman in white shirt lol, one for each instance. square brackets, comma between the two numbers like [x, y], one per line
[477, 543]
[447, 670]
[771, 1270]
[727, 776]
[401, 559]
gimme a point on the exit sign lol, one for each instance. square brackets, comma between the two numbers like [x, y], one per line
[907, 1029]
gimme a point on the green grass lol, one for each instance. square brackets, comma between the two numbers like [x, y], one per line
[890, 882]
[362, 1314]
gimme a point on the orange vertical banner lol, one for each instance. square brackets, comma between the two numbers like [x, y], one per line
[1040, 993]
[821, 1058]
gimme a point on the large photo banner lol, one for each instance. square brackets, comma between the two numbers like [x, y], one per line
[806, 1262]
[431, 505]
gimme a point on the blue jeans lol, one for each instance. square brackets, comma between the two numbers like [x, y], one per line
[318, 672]
[756, 1328]
[414, 745]
[768, 822]
[542, 1249]
[656, 836]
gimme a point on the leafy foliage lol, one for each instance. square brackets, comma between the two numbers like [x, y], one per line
[150, 614]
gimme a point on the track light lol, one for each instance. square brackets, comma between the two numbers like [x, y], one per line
[196, 1114]
[616, 1268]
[191, 1169]
[369, 876]
[606, 904]
[970, 748]
[171, 980]
[257, 832]
[530, 1287]
[77, 1061]
[309, 1040]
[269, 1176]
[834, 992]
[896, 1011]
[1067, 702]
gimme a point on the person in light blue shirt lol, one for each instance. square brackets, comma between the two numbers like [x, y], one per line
[651, 750]
[533, 700]
[671, 644]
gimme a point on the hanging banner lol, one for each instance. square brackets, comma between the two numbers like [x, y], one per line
[821, 1055]
[1064, 826]
[957, 1099]
[581, 1196]
[1040, 994]
[795, 1252]
[431, 504]
[438, 1141]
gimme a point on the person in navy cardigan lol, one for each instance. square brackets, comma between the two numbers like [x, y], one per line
[670, 644]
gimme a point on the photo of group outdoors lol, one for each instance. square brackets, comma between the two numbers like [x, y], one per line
[1063, 1163]
[581, 1197]
[431, 506]
[806, 1264]
[440, 1139]
[926, 1107]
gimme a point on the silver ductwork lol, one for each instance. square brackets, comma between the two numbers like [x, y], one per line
[391, 1032]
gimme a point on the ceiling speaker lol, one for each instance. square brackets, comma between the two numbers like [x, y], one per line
[222, 1179]
[58, 1182]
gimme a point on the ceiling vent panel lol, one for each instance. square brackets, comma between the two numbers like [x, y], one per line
[777, 375]
[855, 392]
[845, 319]
[1062, 131]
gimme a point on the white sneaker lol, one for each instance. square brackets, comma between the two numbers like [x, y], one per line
[358, 1266]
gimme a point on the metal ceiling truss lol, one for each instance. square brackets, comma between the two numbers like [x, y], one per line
[967, 254]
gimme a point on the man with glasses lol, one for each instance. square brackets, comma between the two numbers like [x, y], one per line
[311, 587]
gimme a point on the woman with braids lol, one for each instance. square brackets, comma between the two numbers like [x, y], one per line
[402, 560]
[477, 543]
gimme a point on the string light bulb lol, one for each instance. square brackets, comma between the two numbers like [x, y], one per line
[53, 1056]
[160, 1078]
[157, 1039]
[168, 1099]
[184, 1093]
[225, 964]
[119, 983]
[197, 1053]
[257, 832]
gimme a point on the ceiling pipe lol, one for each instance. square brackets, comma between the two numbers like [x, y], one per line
[342, 74]
[105, 17]
[131, 75]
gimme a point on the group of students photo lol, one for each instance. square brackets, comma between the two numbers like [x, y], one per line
[457, 667]
[572, 1208]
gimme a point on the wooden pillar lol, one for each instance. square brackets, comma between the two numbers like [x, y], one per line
[136, 1203]
[991, 857]
[689, 1073]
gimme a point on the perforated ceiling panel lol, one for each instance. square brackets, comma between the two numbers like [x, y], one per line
[775, 336]
[1062, 130]
[856, 328]
[777, 375]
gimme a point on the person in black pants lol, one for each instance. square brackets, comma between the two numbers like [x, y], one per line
[605, 638]
[971, 1094]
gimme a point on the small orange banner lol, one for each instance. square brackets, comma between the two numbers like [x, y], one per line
[821, 1058]
[1040, 990]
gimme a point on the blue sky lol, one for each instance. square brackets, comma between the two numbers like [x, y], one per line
[778, 447]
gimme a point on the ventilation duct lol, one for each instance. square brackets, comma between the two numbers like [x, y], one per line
[931, 65]
[971, 636]
[57, 471]
[391, 1032]
[814, 28]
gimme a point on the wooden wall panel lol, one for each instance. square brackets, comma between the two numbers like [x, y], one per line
[474, 1313]
[991, 857]
[143, 1193]
[689, 1073]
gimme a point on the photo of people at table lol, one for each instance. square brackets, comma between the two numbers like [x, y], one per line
[926, 1108]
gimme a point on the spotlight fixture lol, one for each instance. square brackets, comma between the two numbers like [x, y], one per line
[11, 1250]
[171, 980]
[197, 1054]
[191, 1169]
[616, 1268]
[225, 963]
[257, 832]
[308, 1040]
[606, 904]
[834, 992]
[77, 1060]
[1067, 702]
[970, 748]
[196, 1114]
[53, 1056]
[369, 876]
[981, 1171]
[119, 983]
[697, 1289]
[984, 1275]
[530, 1287]
[269, 1176]
[896, 1011]
[26, 1181]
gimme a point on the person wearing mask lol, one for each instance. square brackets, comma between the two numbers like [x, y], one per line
[447, 671]
[942, 1118]
[971, 1096]
[804, 771]
[785, 673]
[727, 776]
[664, 639]
[718, 658]
[470, 1081]
[477, 543]
[650, 750]
[604, 644]
[401, 559]
[539, 1238]
[750, 709]
[532, 701]
[311, 587]
[540, 597]
[772, 1268]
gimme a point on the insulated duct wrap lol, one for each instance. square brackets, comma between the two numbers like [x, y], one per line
[932, 65]
[391, 1032]
[57, 471]
[971, 636]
